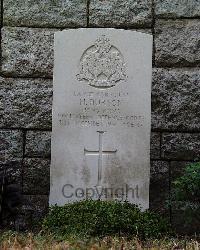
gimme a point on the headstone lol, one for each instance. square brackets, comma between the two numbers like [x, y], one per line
[101, 116]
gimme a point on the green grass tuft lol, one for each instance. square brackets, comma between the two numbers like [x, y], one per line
[101, 218]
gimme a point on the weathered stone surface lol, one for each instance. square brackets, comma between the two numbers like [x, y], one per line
[33, 210]
[177, 43]
[155, 145]
[45, 13]
[11, 145]
[181, 146]
[27, 52]
[38, 144]
[117, 13]
[12, 168]
[175, 99]
[26, 103]
[177, 169]
[2, 101]
[35, 203]
[36, 176]
[177, 8]
[159, 186]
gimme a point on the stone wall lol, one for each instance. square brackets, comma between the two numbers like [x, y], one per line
[27, 29]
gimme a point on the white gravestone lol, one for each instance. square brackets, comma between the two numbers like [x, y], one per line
[101, 116]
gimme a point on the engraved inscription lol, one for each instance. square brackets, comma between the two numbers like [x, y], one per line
[101, 109]
[99, 120]
[102, 65]
[100, 154]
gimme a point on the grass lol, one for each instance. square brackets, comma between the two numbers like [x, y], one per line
[10, 240]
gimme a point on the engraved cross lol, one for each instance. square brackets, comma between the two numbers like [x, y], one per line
[100, 154]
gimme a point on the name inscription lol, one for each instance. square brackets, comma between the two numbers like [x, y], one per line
[100, 109]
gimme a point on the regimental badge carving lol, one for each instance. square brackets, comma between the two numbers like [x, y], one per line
[102, 65]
